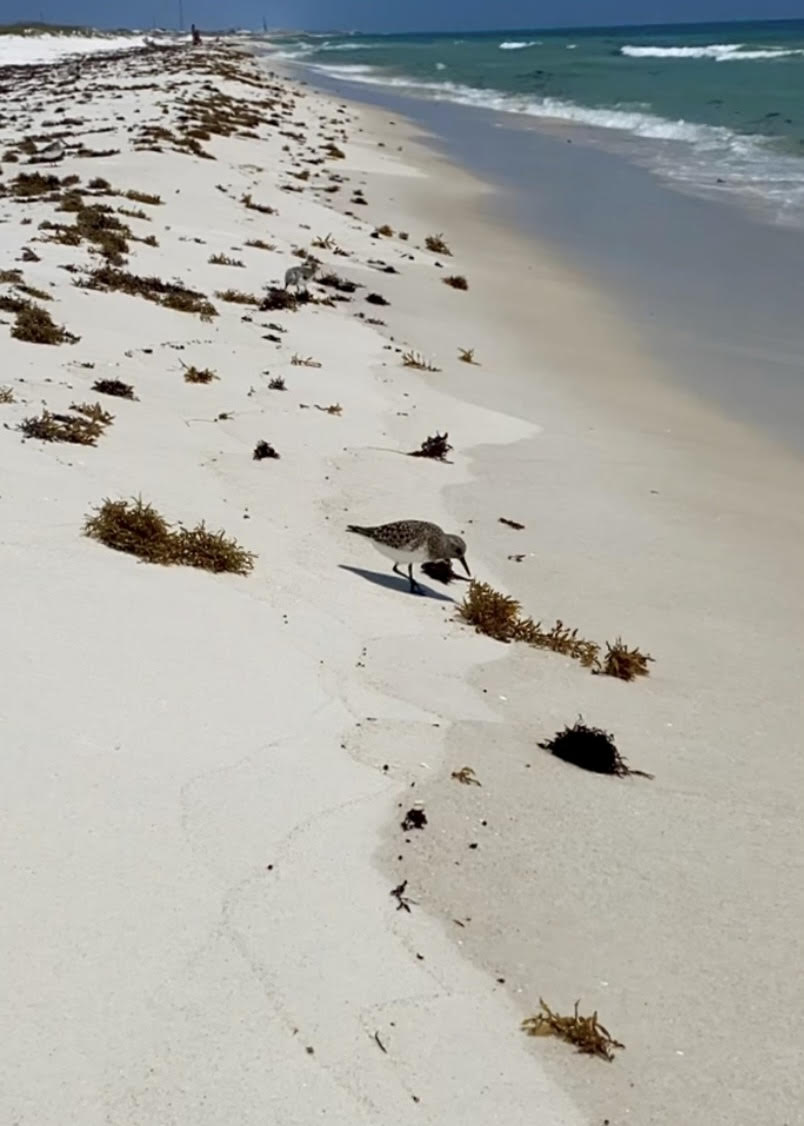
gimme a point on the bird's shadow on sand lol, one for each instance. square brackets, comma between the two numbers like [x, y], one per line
[394, 582]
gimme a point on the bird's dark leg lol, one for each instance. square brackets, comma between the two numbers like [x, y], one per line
[414, 586]
[396, 571]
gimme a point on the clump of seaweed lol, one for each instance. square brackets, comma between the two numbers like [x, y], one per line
[497, 615]
[6, 395]
[377, 299]
[441, 570]
[143, 197]
[276, 298]
[29, 184]
[237, 297]
[136, 528]
[436, 446]
[510, 523]
[385, 231]
[413, 359]
[198, 375]
[98, 184]
[49, 427]
[36, 326]
[333, 408]
[414, 819]
[466, 776]
[172, 295]
[98, 225]
[224, 260]
[258, 244]
[34, 291]
[332, 151]
[93, 411]
[456, 281]
[585, 1033]
[437, 245]
[342, 285]
[300, 361]
[263, 208]
[625, 663]
[114, 387]
[325, 242]
[590, 748]
[264, 450]
[277, 383]
[467, 356]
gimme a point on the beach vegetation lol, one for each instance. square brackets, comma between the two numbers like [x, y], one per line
[437, 245]
[436, 447]
[467, 356]
[442, 572]
[278, 299]
[263, 208]
[29, 184]
[198, 375]
[466, 776]
[237, 297]
[327, 242]
[114, 387]
[586, 1034]
[77, 430]
[136, 528]
[277, 384]
[498, 615]
[93, 411]
[300, 361]
[456, 281]
[143, 197]
[264, 450]
[333, 281]
[258, 244]
[6, 395]
[224, 260]
[34, 324]
[172, 295]
[413, 359]
[591, 749]
[625, 663]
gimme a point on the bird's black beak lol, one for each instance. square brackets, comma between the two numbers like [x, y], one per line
[465, 565]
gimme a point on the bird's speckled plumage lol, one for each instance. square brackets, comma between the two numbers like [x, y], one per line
[414, 541]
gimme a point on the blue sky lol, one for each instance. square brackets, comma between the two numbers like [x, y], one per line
[394, 15]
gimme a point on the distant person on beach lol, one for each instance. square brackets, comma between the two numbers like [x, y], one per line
[196, 34]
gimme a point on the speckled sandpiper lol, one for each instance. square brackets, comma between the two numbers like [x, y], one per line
[414, 541]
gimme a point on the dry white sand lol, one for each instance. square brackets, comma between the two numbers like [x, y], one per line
[198, 768]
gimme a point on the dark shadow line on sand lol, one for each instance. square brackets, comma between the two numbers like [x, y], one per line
[393, 582]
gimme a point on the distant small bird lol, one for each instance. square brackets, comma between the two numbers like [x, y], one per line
[54, 151]
[300, 275]
[414, 541]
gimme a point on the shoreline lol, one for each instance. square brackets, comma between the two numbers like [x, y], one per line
[713, 473]
[233, 912]
[674, 262]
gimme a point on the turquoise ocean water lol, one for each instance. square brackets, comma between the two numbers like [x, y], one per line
[711, 105]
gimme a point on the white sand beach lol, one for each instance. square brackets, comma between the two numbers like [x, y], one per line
[204, 774]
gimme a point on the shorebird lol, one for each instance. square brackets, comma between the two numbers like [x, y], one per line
[299, 276]
[414, 541]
